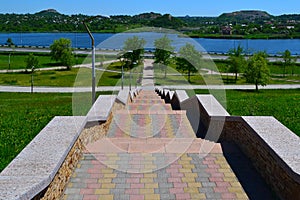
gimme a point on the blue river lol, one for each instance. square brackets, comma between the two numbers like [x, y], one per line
[116, 41]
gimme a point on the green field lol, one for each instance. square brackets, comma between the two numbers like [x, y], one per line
[18, 60]
[282, 104]
[24, 115]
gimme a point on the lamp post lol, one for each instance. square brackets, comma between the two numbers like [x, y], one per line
[93, 57]
[122, 75]
[32, 70]
[9, 60]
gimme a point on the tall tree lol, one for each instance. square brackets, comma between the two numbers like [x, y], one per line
[31, 61]
[288, 61]
[61, 51]
[189, 60]
[163, 52]
[257, 71]
[134, 48]
[237, 60]
[9, 42]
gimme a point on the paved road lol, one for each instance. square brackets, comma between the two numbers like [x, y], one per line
[116, 52]
[117, 88]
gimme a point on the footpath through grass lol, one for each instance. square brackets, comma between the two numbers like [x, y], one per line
[282, 104]
[24, 115]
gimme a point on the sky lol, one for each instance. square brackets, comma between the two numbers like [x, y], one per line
[132, 7]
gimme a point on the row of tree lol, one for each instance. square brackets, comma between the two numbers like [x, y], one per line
[189, 60]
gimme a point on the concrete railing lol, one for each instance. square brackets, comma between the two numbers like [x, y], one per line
[272, 147]
[29, 175]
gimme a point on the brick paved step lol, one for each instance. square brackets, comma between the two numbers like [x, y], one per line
[165, 146]
[173, 125]
[154, 107]
[148, 101]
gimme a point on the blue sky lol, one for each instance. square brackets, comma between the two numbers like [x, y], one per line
[132, 7]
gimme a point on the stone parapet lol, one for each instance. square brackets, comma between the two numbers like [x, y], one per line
[31, 172]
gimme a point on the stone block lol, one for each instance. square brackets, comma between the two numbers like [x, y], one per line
[101, 109]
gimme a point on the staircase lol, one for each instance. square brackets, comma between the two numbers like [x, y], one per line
[151, 152]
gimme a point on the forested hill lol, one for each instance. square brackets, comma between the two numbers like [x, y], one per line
[235, 23]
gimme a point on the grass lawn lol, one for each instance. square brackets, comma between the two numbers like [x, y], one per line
[282, 104]
[18, 60]
[24, 115]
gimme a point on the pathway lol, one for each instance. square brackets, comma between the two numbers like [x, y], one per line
[151, 152]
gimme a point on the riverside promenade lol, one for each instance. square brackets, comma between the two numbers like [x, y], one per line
[151, 152]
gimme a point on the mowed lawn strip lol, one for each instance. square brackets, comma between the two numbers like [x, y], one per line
[282, 104]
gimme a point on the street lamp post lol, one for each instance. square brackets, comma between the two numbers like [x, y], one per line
[32, 70]
[122, 75]
[93, 58]
[9, 60]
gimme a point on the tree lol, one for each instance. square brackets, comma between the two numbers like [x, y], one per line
[288, 60]
[237, 60]
[257, 71]
[31, 61]
[9, 42]
[189, 60]
[61, 51]
[133, 48]
[163, 52]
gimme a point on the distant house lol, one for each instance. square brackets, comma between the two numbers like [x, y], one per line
[226, 30]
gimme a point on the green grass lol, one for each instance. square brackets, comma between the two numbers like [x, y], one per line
[18, 60]
[24, 115]
[282, 104]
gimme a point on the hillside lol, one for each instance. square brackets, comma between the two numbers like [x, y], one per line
[239, 23]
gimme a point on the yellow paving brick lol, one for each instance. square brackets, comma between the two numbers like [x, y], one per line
[148, 175]
[222, 170]
[242, 196]
[185, 158]
[238, 190]
[109, 155]
[107, 171]
[151, 185]
[230, 174]
[191, 175]
[188, 179]
[194, 185]
[105, 180]
[110, 175]
[108, 185]
[115, 158]
[198, 196]
[113, 166]
[235, 184]
[152, 197]
[191, 190]
[106, 197]
[147, 191]
[150, 166]
[230, 179]
[146, 180]
[183, 170]
[102, 191]
[224, 166]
